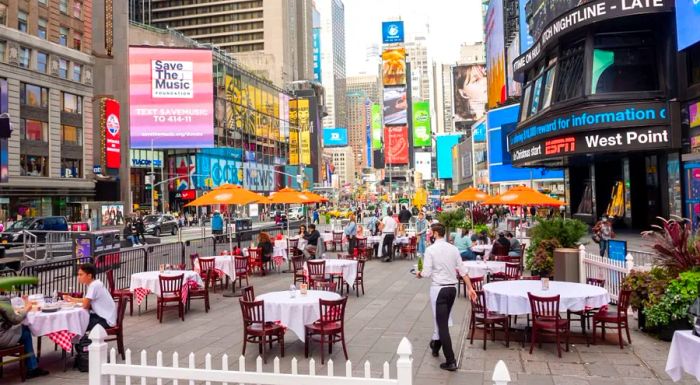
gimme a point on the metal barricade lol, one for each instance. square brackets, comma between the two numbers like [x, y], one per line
[60, 276]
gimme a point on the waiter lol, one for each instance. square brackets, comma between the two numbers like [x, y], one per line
[441, 261]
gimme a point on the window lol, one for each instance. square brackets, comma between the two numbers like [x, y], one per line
[71, 168]
[693, 64]
[3, 46]
[77, 9]
[41, 61]
[34, 130]
[77, 40]
[41, 30]
[63, 68]
[63, 36]
[72, 103]
[34, 96]
[24, 55]
[624, 63]
[77, 72]
[63, 6]
[72, 135]
[43, 2]
[550, 76]
[22, 21]
[525, 107]
[3, 14]
[32, 165]
[570, 79]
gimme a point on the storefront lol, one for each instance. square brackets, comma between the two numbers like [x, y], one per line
[141, 162]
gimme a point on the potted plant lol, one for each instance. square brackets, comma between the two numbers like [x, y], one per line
[452, 219]
[542, 260]
[566, 233]
[647, 288]
[676, 247]
[670, 313]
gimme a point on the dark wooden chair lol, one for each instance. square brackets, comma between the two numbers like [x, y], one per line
[618, 317]
[207, 264]
[193, 258]
[255, 260]
[293, 247]
[499, 250]
[359, 278]
[482, 318]
[298, 269]
[116, 332]
[410, 249]
[257, 330]
[118, 293]
[587, 313]
[248, 294]
[547, 320]
[365, 250]
[330, 327]
[325, 286]
[170, 293]
[337, 241]
[17, 354]
[530, 278]
[316, 270]
[511, 273]
[240, 264]
[477, 284]
[202, 292]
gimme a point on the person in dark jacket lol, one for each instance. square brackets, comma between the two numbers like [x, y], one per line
[312, 238]
[141, 229]
[265, 244]
[404, 215]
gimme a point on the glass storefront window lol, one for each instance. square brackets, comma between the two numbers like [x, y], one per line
[32, 165]
[570, 83]
[623, 63]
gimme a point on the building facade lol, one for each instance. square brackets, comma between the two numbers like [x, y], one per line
[369, 84]
[343, 161]
[332, 39]
[46, 77]
[357, 126]
[417, 52]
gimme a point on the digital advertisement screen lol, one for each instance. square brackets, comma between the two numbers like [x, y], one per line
[392, 32]
[495, 54]
[171, 98]
[421, 124]
[394, 67]
[335, 137]
[687, 17]
[396, 144]
[694, 114]
[526, 40]
[376, 115]
[423, 164]
[112, 139]
[444, 154]
[395, 105]
[112, 215]
[469, 82]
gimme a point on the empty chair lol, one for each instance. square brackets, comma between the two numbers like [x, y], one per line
[202, 292]
[17, 352]
[587, 312]
[118, 293]
[298, 269]
[257, 330]
[330, 327]
[255, 260]
[207, 264]
[325, 286]
[248, 293]
[547, 320]
[170, 293]
[116, 332]
[316, 270]
[617, 317]
[240, 264]
[482, 318]
[359, 278]
[337, 241]
[512, 272]
[477, 284]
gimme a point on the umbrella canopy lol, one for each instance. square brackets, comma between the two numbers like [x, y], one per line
[227, 194]
[290, 196]
[315, 197]
[470, 194]
[523, 196]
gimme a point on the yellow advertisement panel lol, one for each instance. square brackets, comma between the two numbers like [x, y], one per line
[394, 67]
[304, 115]
[305, 143]
[293, 147]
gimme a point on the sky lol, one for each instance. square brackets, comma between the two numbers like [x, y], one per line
[452, 22]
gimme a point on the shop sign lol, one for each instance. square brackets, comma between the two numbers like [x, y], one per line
[586, 14]
[188, 195]
[111, 140]
[97, 169]
[146, 163]
[143, 158]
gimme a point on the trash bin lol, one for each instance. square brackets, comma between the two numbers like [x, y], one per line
[566, 266]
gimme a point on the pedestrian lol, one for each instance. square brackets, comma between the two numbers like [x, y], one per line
[350, 232]
[130, 233]
[421, 232]
[388, 228]
[602, 233]
[315, 217]
[404, 215]
[141, 229]
[441, 261]
[217, 223]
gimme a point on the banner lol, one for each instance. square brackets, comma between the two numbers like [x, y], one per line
[111, 142]
[171, 98]
[469, 82]
[294, 147]
[392, 32]
[495, 54]
[335, 137]
[376, 126]
[421, 124]
[423, 164]
[394, 67]
[395, 106]
[305, 145]
[396, 144]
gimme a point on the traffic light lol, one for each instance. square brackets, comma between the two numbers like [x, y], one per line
[155, 194]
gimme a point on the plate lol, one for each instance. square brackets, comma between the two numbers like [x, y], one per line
[51, 310]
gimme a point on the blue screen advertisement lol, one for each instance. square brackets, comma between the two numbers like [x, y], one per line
[526, 39]
[687, 17]
[335, 137]
[392, 32]
[444, 145]
[217, 166]
[316, 39]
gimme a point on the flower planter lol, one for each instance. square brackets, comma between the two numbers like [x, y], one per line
[666, 331]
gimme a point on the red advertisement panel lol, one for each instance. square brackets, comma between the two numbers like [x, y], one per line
[396, 144]
[112, 127]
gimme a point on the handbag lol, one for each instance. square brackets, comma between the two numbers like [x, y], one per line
[596, 238]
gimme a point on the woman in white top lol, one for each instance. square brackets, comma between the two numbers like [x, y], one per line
[97, 300]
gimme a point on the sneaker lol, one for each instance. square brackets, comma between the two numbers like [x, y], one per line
[37, 372]
[450, 366]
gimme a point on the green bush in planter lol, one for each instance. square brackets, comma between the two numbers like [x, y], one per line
[647, 287]
[680, 294]
[567, 232]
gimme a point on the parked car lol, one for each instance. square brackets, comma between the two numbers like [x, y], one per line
[295, 213]
[13, 236]
[160, 224]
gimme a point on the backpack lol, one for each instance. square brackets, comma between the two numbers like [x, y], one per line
[82, 355]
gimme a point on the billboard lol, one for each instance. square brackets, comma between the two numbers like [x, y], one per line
[421, 124]
[687, 17]
[394, 67]
[305, 147]
[495, 54]
[294, 147]
[479, 132]
[335, 137]
[444, 145]
[217, 166]
[392, 32]
[171, 98]
[376, 126]
[526, 39]
[4, 157]
[111, 141]
[469, 82]
[395, 106]
[316, 52]
[423, 164]
[396, 144]
[694, 114]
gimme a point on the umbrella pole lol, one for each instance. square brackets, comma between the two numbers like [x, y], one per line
[233, 283]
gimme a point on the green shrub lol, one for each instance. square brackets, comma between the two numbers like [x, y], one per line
[680, 294]
[452, 219]
[567, 232]
[647, 287]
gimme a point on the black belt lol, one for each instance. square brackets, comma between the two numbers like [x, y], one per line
[449, 284]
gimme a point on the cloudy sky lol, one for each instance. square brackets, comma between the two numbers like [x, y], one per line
[451, 22]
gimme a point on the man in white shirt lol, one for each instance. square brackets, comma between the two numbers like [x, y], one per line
[97, 300]
[388, 227]
[441, 262]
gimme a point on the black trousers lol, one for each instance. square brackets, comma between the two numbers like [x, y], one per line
[388, 246]
[443, 307]
[352, 243]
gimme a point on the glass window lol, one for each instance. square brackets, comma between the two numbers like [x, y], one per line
[77, 72]
[570, 80]
[34, 96]
[536, 96]
[41, 29]
[548, 87]
[77, 9]
[525, 107]
[77, 40]
[3, 46]
[72, 103]
[3, 14]
[32, 165]
[41, 61]
[24, 55]
[63, 6]
[35, 130]
[624, 63]
[63, 36]
[72, 135]
[71, 168]
[22, 21]
[63, 68]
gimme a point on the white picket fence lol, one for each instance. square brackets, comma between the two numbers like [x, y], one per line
[612, 271]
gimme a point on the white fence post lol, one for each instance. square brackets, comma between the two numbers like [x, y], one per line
[629, 262]
[581, 264]
[98, 356]
[404, 364]
[501, 376]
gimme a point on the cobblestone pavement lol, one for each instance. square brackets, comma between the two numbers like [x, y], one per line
[395, 305]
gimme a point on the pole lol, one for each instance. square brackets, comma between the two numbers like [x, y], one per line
[153, 185]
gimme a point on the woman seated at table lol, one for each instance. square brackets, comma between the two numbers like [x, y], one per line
[97, 300]
[265, 245]
[360, 231]
[130, 233]
[12, 332]
[302, 231]
[463, 243]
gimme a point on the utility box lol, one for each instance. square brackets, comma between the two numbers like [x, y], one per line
[566, 265]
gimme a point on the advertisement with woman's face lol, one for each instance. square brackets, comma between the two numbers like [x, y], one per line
[470, 91]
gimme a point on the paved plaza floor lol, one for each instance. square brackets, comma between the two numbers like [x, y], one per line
[395, 305]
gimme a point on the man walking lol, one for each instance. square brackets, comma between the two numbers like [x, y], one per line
[404, 215]
[388, 227]
[441, 261]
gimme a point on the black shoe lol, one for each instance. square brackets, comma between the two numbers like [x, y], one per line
[38, 372]
[451, 366]
[435, 347]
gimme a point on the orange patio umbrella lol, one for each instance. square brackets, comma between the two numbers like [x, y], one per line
[290, 196]
[315, 197]
[227, 194]
[470, 194]
[523, 196]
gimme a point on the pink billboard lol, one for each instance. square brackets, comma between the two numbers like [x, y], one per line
[171, 98]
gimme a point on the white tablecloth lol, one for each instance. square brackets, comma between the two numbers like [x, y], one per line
[374, 240]
[296, 312]
[73, 320]
[348, 267]
[280, 249]
[510, 297]
[222, 262]
[402, 240]
[149, 279]
[327, 237]
[486, 249]
[684, 355]
[481, 268]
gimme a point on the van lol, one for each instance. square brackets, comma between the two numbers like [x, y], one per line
[13, 235]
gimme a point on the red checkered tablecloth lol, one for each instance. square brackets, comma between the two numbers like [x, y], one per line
[140, 293]
[62, 338]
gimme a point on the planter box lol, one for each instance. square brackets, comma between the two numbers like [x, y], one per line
[666, 332]
[566, 266]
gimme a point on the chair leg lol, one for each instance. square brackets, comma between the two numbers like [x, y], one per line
[38, 348]
[131, 307]
[245, 342]
[506, 326]
[619, 334]
[120, 345]
[627, 329]
[306, 345]
[486, 331]
[556, 332]
[595, 326]
[281, 342]
[532, 342]
[342, 340]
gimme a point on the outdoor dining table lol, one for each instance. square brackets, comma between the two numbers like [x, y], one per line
[346, 267]
[59, 326]
[483, 268]
[510, 297]
[486, 249]
[296, 312]
[684, 355]
[148, 282]
[223, 264]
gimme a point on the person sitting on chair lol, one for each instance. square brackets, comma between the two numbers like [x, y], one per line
[514, 245]
[312, 239]
[12, 333]
[98, 301]
[265, 245]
